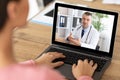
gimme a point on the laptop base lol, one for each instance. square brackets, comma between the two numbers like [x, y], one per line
[66, 69]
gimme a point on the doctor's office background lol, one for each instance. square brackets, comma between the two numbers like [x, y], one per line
[68, 19]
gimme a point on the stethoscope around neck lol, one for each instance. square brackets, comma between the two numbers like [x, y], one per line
[87, 34]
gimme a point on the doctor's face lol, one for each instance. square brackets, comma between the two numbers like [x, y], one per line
[86, 20]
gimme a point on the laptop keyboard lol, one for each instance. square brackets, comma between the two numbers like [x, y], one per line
[72, 58]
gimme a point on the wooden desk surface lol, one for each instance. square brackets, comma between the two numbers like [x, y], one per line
[29, 42]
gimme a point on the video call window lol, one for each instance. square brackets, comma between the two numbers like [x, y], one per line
[101, 24]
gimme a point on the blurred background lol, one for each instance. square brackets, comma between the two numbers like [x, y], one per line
[36, 6]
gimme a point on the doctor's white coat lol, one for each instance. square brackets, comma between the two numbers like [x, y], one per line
[90, 38]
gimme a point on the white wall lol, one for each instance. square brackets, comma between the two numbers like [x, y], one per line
[33, 8]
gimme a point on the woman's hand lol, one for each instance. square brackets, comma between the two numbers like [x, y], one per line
[83, 68]
[47, 58]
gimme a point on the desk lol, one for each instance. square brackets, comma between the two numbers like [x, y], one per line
[29, 42]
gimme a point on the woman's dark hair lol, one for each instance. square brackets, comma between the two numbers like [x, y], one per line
[3, 12]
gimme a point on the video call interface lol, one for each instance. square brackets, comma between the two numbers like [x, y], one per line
[88, 29]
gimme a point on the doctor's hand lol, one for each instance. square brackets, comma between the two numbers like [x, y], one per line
[47, 58]
[76, 42]
[83, 68]
[70, 37]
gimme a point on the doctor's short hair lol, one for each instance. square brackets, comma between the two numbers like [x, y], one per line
[87, 13]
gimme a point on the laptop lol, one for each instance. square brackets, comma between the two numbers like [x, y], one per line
[66, 18]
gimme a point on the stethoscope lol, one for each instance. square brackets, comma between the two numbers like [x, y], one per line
[87, 34]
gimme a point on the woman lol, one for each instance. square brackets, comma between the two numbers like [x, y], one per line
[13, 13]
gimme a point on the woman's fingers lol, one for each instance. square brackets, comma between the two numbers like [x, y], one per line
[57, 64]
[95, 66]
[55, 55]
[91, 62]
[80, 62]
[74, 66]
[86, 60]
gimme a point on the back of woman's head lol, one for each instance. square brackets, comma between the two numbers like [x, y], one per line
[3, 12]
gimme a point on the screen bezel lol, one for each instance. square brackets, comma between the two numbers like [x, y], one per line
[102, 53]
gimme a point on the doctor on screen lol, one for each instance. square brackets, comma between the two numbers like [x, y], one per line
[85, 35]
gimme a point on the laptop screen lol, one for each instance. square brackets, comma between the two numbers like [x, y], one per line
[84, 28]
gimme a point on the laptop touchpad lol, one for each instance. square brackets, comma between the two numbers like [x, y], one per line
[66, 70]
